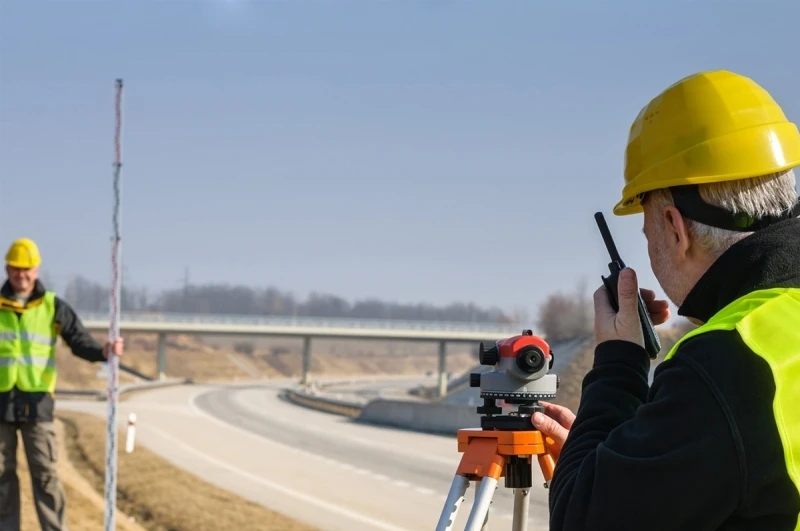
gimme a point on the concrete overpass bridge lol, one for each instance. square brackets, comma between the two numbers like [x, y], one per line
[307, 328]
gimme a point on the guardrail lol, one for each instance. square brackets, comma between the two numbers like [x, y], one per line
[305, 322]
[322, 403]
[123, 389]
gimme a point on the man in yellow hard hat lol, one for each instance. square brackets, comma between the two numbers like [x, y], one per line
[31, 320]
[714, 442]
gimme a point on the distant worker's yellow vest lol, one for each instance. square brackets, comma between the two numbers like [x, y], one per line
[769, 323]
[27, 347]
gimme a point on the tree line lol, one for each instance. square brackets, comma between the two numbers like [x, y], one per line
[87, 295]
[562, 315]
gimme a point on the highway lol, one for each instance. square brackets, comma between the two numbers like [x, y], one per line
[316, 467]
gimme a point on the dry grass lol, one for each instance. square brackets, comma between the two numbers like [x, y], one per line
[85, 509]
[160, 496]
[206, 359]
[76, 373]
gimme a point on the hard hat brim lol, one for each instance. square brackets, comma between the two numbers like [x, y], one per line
[746, 154]
[22, 265]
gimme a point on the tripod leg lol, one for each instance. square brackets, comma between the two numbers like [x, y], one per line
[455, 498]
[480, 509]
[485, 526]
[522, 500]
[547, 465]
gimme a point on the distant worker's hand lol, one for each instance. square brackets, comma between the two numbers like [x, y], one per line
[554, 423]
[116, 347]
[625, 325]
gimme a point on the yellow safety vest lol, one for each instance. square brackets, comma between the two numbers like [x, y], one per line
[769, 323]
[28, 347]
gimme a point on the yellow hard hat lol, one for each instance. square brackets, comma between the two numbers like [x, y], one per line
[23, 254]
[708, 127]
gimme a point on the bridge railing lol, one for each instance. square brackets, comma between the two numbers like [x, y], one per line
[302, 322]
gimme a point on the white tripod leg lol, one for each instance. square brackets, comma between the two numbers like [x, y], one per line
[480, 510]
[522, 501]
[458, 490]
[485, 526]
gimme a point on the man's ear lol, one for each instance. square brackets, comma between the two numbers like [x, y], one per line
[676, 232]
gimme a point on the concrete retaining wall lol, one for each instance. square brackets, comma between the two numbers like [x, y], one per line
[440, 418]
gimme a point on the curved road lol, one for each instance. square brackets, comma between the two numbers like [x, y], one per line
[316, 467]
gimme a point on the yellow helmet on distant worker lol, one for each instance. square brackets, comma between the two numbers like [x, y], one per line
[23, 254]
[708, 127]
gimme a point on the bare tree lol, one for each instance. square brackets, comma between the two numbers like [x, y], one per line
[87, 295]
[566, 316]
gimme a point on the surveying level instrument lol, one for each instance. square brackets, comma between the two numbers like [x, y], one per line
[504, 445]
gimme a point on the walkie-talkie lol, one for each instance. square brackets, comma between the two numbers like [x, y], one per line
[651, 342]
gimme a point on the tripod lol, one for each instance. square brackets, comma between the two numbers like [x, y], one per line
[503, 446]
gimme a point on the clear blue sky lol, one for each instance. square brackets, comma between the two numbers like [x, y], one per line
[412, 151]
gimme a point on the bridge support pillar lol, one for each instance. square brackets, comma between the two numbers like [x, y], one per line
[442, 368]
[161, 356]
[306, 360]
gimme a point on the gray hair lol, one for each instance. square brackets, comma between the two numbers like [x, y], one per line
[756, 197]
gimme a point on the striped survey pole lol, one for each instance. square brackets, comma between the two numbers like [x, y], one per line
[113, 329]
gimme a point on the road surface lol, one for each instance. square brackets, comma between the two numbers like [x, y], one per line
[316, 467]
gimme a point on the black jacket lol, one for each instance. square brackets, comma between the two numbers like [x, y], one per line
[699, 450]
[17, 405]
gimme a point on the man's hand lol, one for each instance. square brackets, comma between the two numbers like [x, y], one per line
[116, 347]
[554, 423]
[625, 324]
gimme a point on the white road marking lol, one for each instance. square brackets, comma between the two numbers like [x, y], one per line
[193, 406]
[278, 487]
[453, 462]
[422, 490]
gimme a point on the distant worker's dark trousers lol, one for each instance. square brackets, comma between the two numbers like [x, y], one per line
[39, 441]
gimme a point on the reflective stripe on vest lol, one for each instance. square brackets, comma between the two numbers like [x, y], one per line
[27, 347]
[769, 323]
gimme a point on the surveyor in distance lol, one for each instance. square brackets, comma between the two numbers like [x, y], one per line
[714, 444]
[31, 320]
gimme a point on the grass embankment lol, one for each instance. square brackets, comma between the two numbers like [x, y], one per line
[206, 359]
[153, 495]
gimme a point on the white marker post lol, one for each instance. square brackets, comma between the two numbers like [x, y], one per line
[131, 433]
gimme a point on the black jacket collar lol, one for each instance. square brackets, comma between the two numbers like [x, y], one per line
[768, 258]
[7, 292]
